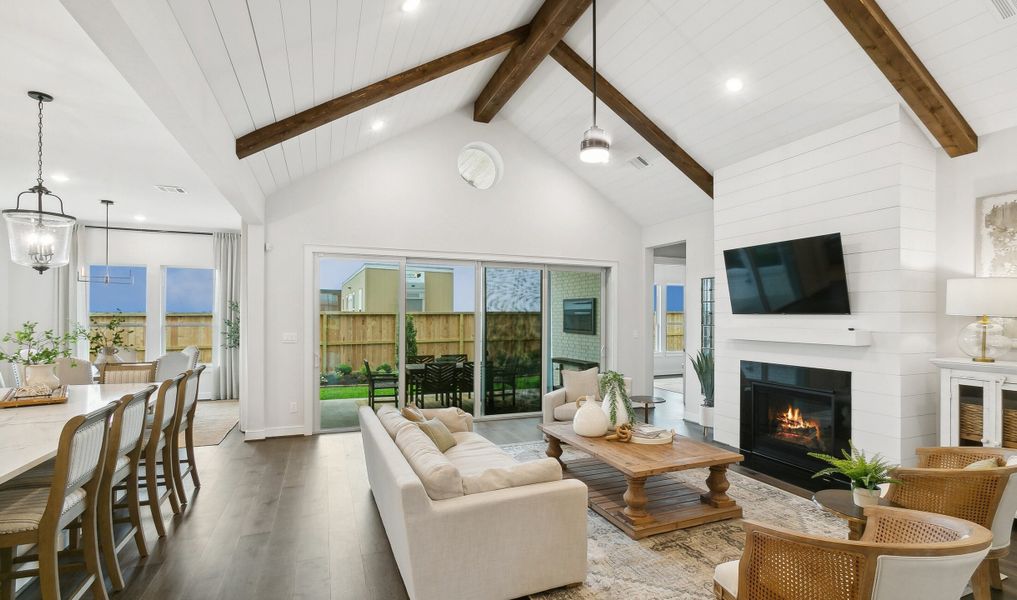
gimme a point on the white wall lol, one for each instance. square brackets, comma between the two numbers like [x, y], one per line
[696, 231]
[959, 182]
[406, 196]
[873, 180]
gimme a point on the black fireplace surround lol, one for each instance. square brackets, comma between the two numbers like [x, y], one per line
[788, 411]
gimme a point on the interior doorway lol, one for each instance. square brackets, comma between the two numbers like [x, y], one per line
[669, 324]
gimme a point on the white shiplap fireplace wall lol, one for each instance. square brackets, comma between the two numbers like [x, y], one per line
[873, 180]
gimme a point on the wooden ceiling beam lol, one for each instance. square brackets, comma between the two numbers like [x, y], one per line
[620, 105]
[553, 20]
[878, 36]
[337, 108]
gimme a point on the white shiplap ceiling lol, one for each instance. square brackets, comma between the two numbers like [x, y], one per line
[267, 59]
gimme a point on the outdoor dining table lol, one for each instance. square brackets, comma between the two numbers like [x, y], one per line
[29, 435]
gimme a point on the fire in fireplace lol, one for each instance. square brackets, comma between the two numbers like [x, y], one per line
[789, 411]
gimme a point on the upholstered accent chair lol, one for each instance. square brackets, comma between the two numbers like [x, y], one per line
[560, 404]
[987, 496]
[930, 555]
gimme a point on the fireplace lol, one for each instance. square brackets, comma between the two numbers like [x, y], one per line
[788, 411]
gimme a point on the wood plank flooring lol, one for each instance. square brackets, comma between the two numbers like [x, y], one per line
[293, 518]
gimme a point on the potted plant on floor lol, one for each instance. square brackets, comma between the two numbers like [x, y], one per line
[702, 364]
[617, 403]
[37, 353]
[865, 474]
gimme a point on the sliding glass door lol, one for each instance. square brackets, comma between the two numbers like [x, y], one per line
[358, 338]
[513, 341]
[575, 321]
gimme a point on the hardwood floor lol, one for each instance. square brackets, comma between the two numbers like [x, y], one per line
[294, 518]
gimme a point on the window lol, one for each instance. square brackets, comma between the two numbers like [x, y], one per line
[188, 314]
[669, 324]
[124, 302]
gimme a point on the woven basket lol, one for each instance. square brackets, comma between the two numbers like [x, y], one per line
[1009, 428]
[971, 422]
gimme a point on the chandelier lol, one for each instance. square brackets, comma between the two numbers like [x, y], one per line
[39, 239]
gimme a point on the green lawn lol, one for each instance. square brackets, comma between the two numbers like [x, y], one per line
[344, 392]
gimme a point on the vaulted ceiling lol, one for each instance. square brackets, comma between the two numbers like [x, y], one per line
[265, 60]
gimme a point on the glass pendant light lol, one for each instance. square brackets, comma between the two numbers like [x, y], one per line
[106, 278]
[39, 239]
[596, 145]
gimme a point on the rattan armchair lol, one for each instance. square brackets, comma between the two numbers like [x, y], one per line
[988, 497]
[902, 555]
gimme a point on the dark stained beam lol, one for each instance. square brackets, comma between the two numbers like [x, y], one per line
[876, 34]
[553, 20]
[304, 121]
[620, 105]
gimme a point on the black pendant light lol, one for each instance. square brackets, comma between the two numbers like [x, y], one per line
[596, 145]
[106, 278]
[39, 239]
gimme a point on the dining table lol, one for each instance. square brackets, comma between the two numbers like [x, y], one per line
[29, 435]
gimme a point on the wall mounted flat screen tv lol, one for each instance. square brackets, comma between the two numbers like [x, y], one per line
[579, 315]
[795, 277]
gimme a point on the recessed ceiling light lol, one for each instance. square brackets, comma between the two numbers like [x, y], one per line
[410, 5]
[378, 125]
[139, 217]
[734, 84]
[59, 177]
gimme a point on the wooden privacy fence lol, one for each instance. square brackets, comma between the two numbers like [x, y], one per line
[349, 338]
[182, 330]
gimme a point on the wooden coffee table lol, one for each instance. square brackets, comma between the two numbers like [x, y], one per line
[619, 491]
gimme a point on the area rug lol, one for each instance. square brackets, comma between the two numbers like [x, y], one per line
[679, 565]
[214, 420]
[670, 384]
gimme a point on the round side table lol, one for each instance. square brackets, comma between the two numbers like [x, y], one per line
[646, 401]
[842, 504]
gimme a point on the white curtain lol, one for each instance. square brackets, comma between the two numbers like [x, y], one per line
[227, 269]
[66, 289]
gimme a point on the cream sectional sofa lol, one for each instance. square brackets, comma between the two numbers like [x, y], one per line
[466, 524]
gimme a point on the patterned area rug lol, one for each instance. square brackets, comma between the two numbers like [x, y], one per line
[213, 420]
[679, 565]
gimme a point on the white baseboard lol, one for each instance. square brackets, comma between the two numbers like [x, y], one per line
[272, 432]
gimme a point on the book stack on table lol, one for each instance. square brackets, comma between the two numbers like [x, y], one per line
[648, 434]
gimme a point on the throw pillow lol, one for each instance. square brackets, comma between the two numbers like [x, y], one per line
[411, 412]
[580, 383]
[979, 465]
[438, 433]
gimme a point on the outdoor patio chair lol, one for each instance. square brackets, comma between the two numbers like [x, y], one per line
[419, 359]
[451, 358]
[499, 384]
[440, 381]
[381, 387]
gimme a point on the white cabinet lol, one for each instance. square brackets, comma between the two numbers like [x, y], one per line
[978, 403]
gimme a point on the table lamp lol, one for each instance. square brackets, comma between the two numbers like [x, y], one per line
[983, 297]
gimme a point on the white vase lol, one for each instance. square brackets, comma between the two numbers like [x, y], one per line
[107, 354]
[41, 375]
[590, 420]
[621, 413]
[865, 497]
[706, 416]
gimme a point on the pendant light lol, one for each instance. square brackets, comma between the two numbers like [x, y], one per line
[107, 278]
[596, 145]
[39, 239]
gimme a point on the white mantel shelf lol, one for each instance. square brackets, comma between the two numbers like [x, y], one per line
[823, 337]
[966, 364]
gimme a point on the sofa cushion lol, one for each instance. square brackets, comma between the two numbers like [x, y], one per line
[440, 477]
[438, 433]
[392, 420]
[473, 454]
[567, 411]
[726, 574]
[454, 418]
[520, 474]
[580, 383]
[412, 413]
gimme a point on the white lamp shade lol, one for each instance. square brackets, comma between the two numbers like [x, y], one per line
[977, 296]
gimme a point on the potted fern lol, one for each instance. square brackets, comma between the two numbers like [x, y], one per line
[702, 364]
[617, 403]
[865, 474]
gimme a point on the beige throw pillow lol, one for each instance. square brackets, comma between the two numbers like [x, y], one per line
[438, 433]
[411, 412]
[581, 383]
[981, 465]
[454, 418]
[527, 473]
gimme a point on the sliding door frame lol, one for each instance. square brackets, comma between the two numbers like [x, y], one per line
[312, 304]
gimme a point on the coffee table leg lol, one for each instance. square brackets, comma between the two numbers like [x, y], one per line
[717, 483]
[554, 449]
[635, 501]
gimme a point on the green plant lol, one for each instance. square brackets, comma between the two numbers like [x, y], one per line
[411, 337]
[38, 348]
[344, 369]
[613, 381]
[384, 368]
[861, 471]
[231, 326]
[702, 364]
[111, 335]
